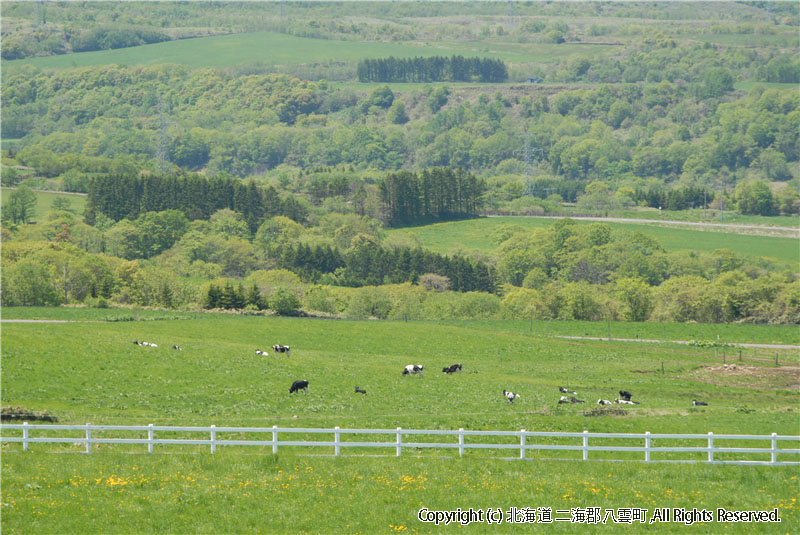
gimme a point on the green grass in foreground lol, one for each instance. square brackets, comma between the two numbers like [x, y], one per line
[116, 493]
[44, 201]
[476, 235]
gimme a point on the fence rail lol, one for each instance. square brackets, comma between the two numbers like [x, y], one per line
[92, 434]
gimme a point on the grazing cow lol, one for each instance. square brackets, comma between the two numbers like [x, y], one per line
[699, 403]
[281, 349]
[452, 369]
[603, 402]
[412, 369]
[624, 394]
[626, 402]
[510, 396]
[176, 348]
[566, 390]
[360, 391]
[263, 353]
[299, 385]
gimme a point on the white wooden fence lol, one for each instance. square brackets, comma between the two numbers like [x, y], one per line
[708, 444]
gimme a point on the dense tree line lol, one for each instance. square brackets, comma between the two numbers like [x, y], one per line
[128, 196]
[680, 198]
[432, 69]
[109, 38]
[437, 193]
[367, 263]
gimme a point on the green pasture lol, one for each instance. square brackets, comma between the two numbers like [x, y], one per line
[476, 235]
[720, 332]
[101, 377]
[88, 370]
[44, 201]
[279, 49]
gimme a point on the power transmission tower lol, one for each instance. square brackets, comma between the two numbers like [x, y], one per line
[512, 15]
[163, 138]
[41, 18]
[530, 154]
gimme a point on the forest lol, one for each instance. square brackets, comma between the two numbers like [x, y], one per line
[270, 188]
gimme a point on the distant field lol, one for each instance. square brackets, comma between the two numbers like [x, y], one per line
[475, 235]
[277, 48]
[44, 201]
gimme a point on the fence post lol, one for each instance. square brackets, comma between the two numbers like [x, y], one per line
[88, 438]
[274, 439]
[24, 436]
[710, 446]
[213, 439]
[399, 442]
[774, 453]
[336, 440]
[460, 441]
[647, 446]
[585, 445]
[522, 444]
[149, 438]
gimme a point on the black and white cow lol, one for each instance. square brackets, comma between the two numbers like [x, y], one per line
[262, 353]
[626, 402]
[177, 348]
[281, 349]
[565, 399]
[413, 369]
[699, 403]
[566, 390]
[510, 396]
[299, 385]
[360, 391]
[624, 394]
[603, 402]
[452, 369]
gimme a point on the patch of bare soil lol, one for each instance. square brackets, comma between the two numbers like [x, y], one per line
[774, 378]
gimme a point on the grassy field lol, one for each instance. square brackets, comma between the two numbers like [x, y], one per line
[117, 493]
[475, 235]
[282, 49]
[89, 371]
[44, 201]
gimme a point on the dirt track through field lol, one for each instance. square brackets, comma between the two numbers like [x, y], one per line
[686, 342]
[791, 232]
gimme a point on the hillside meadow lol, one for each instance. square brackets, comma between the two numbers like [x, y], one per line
[272, 48]
[44, 201]
[476, 235]
[97, 375]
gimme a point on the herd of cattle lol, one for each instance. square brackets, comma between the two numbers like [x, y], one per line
[416, 369]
